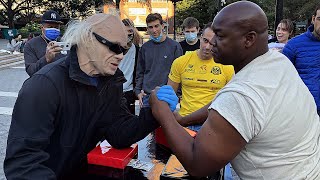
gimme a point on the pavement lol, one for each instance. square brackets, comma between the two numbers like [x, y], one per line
[3, 43]
[11, 79]
[12, 75]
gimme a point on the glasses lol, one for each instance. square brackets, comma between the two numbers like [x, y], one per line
[113, 47]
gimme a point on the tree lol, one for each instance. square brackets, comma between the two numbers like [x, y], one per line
[13, 7]
[203, 10]
[73, 8]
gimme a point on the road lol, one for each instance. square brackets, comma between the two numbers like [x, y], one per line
[11, 79]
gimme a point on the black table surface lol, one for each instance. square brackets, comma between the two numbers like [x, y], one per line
[148, 151]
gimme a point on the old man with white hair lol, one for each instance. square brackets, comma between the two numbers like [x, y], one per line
[64, 109]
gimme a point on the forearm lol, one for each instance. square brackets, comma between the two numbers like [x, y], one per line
[33, 67]
[181, 143]
[131, 129]
[197, 117]
[137, 89]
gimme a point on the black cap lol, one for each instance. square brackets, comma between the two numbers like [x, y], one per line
[51, 16]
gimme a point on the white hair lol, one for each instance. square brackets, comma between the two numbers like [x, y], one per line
[80, 32]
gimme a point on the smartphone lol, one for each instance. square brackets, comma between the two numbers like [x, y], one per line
[65, 46]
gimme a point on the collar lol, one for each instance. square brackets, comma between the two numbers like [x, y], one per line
[310, 34]
[77, 74]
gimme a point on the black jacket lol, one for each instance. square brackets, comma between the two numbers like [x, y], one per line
[60, 115]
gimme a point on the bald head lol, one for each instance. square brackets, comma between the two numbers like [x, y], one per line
[241, 34]
[245, 16]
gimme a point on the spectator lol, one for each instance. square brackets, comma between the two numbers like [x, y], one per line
[304, 53]
[129, 63]
[15, 45]
[155, 59]
[190, 28]
[42, 50]
[283, 33]
[201, 78]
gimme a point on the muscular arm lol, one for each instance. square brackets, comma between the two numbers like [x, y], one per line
[32, 63]
[31, 127]
[197, 117]
[215, 145]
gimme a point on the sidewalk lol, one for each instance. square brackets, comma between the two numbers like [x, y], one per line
[3, 43]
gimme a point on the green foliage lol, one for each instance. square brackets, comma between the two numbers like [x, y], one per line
[205, 10]
[31, 27]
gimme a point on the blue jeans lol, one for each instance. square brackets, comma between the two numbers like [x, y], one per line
[145, 101]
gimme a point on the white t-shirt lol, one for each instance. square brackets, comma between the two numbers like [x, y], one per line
[127, 67]
[273, 110]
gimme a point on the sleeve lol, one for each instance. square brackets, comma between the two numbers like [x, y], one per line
[139, 72]
[175, 71]
[32, 63]
[178, 52]
[289, 51]
[128, 128]
[31, 127]
[229, 72]
[236, 109]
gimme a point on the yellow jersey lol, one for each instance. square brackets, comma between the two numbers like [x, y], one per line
[200, 80]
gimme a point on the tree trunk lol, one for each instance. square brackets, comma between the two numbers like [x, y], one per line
[118, 4]
[10, 14]
[279, 14]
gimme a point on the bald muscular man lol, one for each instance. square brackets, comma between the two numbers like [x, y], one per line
[264, 120]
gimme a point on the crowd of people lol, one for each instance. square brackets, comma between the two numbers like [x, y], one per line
[251, 105]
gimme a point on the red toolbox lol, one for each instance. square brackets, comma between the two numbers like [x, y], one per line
[161, 139]
[115, 158]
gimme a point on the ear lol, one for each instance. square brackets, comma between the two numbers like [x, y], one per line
[313, 19]
[250, 39]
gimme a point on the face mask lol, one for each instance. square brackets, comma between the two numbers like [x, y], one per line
[51, 33]
[156, 39]
[190, 37]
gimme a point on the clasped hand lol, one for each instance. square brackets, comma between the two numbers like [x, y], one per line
[166, 94]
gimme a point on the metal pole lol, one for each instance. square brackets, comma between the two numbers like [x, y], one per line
[174, 20]
[279, 14]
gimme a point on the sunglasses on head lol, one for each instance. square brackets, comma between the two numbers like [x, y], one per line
[113, 47]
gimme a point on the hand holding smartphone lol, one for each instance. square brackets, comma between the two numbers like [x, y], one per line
[64, 46]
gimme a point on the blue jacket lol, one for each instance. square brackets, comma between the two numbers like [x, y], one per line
[304, 52]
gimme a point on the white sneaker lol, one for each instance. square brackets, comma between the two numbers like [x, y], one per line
[16, 52]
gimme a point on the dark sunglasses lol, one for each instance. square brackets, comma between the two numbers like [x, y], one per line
[113, 47]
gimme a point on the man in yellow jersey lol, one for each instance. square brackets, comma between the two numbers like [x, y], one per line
[201, 78]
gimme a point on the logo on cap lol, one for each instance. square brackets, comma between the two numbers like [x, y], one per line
[53, 16]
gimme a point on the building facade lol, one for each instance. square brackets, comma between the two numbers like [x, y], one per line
[138, 12]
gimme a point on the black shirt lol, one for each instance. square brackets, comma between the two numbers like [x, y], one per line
[187, 47]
